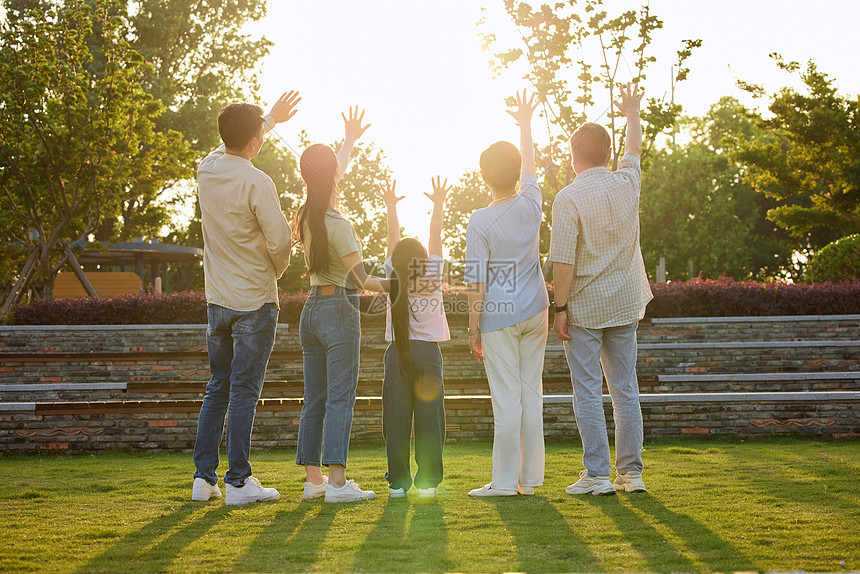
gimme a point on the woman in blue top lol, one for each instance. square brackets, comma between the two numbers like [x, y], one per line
[508, 308]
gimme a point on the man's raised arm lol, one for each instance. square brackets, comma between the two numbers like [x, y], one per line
[631, 98]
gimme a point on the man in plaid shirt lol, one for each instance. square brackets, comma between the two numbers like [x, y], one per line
[601, 291]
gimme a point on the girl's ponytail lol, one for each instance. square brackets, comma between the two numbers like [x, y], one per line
[408, 260]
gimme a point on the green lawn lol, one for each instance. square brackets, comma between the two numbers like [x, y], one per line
[763, 505]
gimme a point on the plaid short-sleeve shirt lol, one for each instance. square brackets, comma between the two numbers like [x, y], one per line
[595, 228]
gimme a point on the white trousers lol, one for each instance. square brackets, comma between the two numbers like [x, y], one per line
[513, 358]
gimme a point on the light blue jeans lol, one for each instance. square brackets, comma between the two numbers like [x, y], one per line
[239, 343]
[613, 349]
[330, 335]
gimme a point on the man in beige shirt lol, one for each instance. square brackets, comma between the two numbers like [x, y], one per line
[600, 294]
[246, 248]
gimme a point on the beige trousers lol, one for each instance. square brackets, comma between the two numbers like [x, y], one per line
[513, 358]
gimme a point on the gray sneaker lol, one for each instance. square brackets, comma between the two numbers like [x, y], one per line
[203, 491]
[312, 490]
[629, 482]
[597, 485]
[252, 491]
[349, 492]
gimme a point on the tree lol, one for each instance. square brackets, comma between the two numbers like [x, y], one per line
[77, 133]
[358, 198]
[564, 36]
[695, 205]
[469, 194]
[810, 166]
[200, 60]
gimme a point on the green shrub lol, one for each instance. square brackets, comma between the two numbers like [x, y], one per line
[837, 261]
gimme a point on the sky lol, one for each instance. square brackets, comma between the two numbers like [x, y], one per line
[418, 69]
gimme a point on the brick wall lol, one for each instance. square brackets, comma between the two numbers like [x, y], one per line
[97, 388]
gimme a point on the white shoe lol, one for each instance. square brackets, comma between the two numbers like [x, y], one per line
[314, 490]
[597, 485]
[396, 493]
[203, 491]
[427, 492]
[526, 490]
[253, 491]
[349, 492]
[488, 490]
[630, 482]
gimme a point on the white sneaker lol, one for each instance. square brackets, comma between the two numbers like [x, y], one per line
[427, 492]
[526, 490]
[314, 490]
[396, 493]
[488, 490]
[597, 485]
[203, 491]
[630, 482]
[253, 491]
[349, 492]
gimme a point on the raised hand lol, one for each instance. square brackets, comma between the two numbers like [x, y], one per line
[440, 190]
[352, 124]
[285, 107]
[525, 108]
[631, 98]
[386, 193]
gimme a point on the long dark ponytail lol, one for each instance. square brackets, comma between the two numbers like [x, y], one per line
[318, 167]
[409, 261]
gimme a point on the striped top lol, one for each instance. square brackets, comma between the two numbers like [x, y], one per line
[503, 252]
[595, 228]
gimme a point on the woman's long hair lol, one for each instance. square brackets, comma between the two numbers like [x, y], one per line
[318, 167]
[409, 260]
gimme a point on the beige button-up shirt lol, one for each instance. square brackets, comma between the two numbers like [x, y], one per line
[246, 238]
[595, 228]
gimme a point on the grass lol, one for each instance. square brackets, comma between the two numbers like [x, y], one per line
[775, 504]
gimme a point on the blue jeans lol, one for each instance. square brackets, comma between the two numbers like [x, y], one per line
[591, 355]
[330, 334]
[414, 390]
[240, 343]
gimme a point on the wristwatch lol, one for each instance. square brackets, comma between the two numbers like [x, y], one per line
[558, 309]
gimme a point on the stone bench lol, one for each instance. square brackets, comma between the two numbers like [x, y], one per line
[553, 384]
[654, 359]
[171, 425]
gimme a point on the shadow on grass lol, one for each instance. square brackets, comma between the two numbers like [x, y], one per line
[149, 544]
[543, 537]
[642, 536]
[291, 541]
[715, 552]
[424, 544]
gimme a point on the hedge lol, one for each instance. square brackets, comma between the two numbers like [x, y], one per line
[696, 298]
[837, 261]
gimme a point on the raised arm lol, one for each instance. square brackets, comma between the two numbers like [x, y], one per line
[631, 99]
[390, 198]
[440, 192]
[523, 115]
[353, 130]
[282, 110]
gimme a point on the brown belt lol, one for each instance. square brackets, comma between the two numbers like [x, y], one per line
[327, 289]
